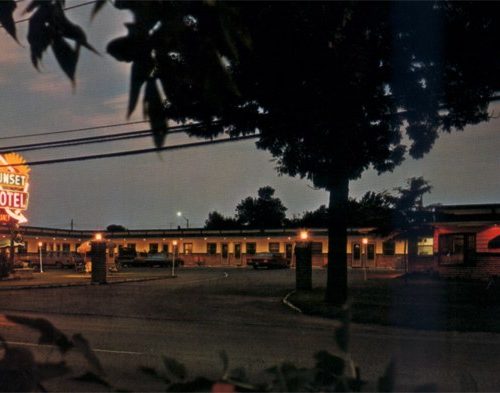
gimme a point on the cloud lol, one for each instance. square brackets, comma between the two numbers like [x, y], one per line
[50, 84]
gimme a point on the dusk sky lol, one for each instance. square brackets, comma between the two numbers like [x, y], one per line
[146, 191]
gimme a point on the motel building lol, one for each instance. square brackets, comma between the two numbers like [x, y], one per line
[461, 241]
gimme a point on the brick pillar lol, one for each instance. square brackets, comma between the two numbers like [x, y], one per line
[98, 257]
[303, 266]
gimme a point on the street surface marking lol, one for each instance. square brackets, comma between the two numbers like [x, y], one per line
[23, 344]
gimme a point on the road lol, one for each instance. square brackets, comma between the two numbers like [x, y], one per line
[204, 311]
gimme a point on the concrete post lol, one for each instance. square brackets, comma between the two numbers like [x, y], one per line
[303, 266]
[98, 257]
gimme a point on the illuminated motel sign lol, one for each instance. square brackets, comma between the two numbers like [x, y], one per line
[14, 184]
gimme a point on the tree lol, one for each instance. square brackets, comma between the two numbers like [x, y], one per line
[115, 228]
[265, 211]
[217, 221]
[330, 87]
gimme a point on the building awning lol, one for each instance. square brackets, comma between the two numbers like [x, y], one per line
[494, 243]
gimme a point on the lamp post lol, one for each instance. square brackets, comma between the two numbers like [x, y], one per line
[174, 243]
[40, 244]
[303, 262]
[365, 252]
[179, 214]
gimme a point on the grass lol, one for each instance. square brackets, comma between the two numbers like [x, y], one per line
[417, 304]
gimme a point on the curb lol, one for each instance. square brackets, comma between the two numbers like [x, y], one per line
[80, 284]
[289, 304]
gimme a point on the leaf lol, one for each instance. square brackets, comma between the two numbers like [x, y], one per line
[66, 56]
[18, 371]
[48, 333]
[386, 382]
[138, 75]
[225, 363]
[68, 29]
[154, 110]
[153, 373]
[175, 368]
[199, 384]
[7, 17]
[329, 367]
[40, 35]
[52, 370]
[90, 377]
[97, 7]
[83, 346]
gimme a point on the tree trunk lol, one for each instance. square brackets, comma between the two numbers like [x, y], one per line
[336, 285]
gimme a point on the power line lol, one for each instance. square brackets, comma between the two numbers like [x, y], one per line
[73, 130]
[134, 152]
[95, 139]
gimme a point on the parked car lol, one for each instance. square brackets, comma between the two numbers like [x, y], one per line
[57, 259]
[148, 260]
[268, 260]
[161, 260]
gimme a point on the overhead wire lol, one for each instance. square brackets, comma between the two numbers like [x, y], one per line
[134, 152]
[73, 130]
[94, 139]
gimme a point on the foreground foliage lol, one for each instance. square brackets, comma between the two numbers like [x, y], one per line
[20, 372]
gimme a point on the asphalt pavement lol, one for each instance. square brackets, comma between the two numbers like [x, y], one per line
[203, 311]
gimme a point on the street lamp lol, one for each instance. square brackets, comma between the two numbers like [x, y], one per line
[365, 252]
[179, 214]
[40, 244]
[304, 235]
[174, 243]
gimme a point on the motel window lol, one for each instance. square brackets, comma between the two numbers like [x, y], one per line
[188, 248]
[165, 248]
[389, 248]
[316, 248]
[65, 248]
[425, 246]
[153, 248]
[251, 248]
[211, 248]
[274, 248]
[456, 248]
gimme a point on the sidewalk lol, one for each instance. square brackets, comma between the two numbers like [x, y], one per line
[64, 278]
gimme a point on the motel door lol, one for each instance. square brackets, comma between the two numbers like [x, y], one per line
[370, 255]
[224, 254]
[237, 253]
[356, 255]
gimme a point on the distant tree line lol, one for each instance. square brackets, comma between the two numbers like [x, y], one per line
[384, 211]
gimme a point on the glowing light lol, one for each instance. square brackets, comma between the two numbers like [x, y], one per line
[174, 242]
[304, 235]
[40, 244]
[98, 236]
[365, 240]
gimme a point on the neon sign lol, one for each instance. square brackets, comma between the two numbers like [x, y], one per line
[14, 184]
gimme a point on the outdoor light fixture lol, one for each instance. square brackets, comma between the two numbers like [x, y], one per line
[304, 235]
[98, 237]
[179, 214]
[365, 240]
[174, 243]
[40, 244]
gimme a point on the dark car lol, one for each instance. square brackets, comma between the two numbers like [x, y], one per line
[268, 260]
[161, 260]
